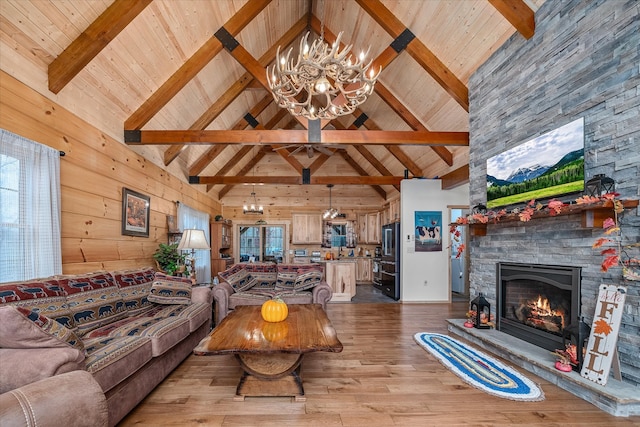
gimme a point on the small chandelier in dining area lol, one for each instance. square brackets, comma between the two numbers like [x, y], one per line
[330, 213]
[322, 82]
[253, 208]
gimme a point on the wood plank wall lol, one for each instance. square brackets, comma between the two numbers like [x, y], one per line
[93, 172]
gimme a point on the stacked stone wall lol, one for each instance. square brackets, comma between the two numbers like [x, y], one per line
[583, 61]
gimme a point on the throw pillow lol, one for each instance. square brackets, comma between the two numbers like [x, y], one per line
[238, 277]
[170, 290]
[307, 278]
[134, 288]
[21, 327]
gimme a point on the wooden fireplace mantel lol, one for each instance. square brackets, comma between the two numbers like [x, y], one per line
[593, 215]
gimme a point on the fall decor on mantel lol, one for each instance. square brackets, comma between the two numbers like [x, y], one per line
[597, 212]
[594, 212]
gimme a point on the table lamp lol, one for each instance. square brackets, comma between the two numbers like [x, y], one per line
[193, 239]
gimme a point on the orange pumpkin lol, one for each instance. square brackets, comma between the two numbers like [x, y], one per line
[274, 310]
[275, 331]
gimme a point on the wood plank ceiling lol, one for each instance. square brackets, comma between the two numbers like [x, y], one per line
[165, 77]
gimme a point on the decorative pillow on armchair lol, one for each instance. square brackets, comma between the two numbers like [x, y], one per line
[238, 277]
[170, 290]
[307, 278]
[22, 328]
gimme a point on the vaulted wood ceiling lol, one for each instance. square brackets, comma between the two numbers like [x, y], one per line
[164, 75]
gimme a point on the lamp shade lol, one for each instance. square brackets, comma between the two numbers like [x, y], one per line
[193, 239]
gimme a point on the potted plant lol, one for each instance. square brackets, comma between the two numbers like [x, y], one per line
[168, 259]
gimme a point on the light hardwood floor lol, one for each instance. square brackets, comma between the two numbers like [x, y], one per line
[382, 378]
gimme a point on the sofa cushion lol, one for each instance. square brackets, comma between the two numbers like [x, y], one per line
[43, 295]
[307, 278]
[113, 359]
[165, 330]
[24, 328]
[249, 298]
[134, 287]
[295, 297]
[196, 313]
[94, 300]
[170, 290]
[238, 277]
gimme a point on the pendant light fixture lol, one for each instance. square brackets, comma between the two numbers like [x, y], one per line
[253, 208]
[330, 213]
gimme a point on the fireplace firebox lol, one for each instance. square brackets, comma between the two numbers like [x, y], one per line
[536, 302]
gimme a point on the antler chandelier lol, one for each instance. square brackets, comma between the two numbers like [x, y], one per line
[322, 82]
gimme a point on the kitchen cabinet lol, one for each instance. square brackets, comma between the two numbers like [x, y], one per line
[373, 228]
[364, 270]
[394, 210]
[369, 228]
[306, 229]
[341, 276]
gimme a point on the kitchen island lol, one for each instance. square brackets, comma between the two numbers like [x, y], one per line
[340, 274]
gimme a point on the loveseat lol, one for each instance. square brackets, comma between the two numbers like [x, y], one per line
[128, 329]
[255, 283]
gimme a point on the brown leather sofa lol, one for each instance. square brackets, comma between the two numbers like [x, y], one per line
[127, 329]
[255, 283]
[70, 399]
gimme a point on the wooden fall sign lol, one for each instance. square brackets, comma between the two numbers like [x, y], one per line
[601, 349]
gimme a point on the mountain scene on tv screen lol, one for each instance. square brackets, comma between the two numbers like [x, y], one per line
[547, 166]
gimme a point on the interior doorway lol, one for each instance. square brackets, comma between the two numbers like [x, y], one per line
[458, 265]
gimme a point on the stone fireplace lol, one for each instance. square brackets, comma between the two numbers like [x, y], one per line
[536, 302]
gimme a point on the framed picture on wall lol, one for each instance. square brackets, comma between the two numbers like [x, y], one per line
[428, 227]
[135, 213]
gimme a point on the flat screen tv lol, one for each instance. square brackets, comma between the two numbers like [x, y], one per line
[543, 168]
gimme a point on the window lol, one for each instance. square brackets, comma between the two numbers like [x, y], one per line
[29, 209]
[262, 242]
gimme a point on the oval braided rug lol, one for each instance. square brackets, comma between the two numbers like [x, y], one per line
[478, 369]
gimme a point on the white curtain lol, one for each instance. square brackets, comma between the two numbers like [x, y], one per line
[192, 218]
[29, 209]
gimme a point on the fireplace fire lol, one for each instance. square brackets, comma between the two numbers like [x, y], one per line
[539, 314]
[537, 302]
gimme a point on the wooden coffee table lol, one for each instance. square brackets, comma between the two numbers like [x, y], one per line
[270, 353]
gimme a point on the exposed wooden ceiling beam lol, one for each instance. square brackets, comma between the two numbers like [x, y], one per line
[245, 170]
[410, 119]
[397, 152]
[193, 66]
[208, 156]
[236, 89]
[268, 137]
[295, 180]
[359, 168]
[356, 166]
[519, 14]
[385, 58]
[375, 162]
[455, 178]
[418, 51]
[92, 40]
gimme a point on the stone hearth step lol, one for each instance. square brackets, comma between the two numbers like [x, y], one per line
[616, 398]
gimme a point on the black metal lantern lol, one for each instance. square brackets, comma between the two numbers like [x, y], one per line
[576, 334]
[600, 185]
[479, 208]
[482, 310]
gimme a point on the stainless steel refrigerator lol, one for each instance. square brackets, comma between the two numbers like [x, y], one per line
[390, 261]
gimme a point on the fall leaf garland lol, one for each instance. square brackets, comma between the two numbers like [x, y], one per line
[613, 256]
